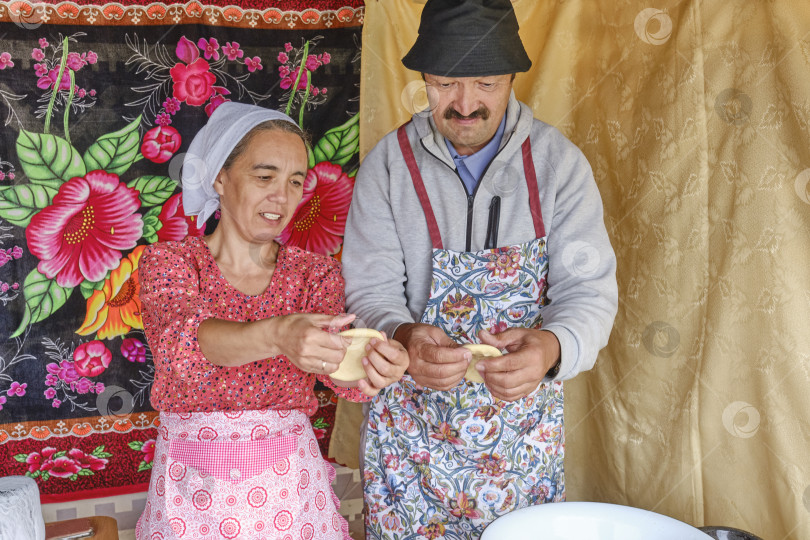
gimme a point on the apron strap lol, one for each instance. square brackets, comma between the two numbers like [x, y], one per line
[419, 185]
[534, 193]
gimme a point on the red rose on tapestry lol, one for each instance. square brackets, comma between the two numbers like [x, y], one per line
[148, 450]
[81, 234]
[193, 83]
[160, 144]
[61, 467]
[176, 224]
[320, 219]
[91, 358]
[86, 461]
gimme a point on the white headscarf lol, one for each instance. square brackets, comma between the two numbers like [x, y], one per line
[212, 145]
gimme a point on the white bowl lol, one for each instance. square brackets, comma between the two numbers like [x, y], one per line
[588, 521]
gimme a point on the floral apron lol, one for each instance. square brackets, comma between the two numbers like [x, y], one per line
[444, 464]
[242, 474]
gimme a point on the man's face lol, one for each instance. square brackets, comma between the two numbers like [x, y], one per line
[468, 110]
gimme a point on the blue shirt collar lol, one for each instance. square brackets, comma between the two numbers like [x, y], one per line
[472, 167]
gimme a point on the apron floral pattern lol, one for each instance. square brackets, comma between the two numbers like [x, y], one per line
[445, 464]
[242, 474]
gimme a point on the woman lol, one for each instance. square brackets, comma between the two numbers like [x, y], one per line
[240, 327]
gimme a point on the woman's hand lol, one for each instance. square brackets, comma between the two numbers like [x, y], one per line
[303, 339]
[385, 363]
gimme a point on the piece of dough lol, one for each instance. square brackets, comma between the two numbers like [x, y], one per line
[351, 368]
[479, 351]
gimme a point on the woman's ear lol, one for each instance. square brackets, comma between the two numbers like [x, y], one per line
[219, 182]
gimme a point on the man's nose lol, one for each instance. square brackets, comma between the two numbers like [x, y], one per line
[466, 101]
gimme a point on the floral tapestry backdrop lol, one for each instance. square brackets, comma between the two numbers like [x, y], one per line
[99, 104]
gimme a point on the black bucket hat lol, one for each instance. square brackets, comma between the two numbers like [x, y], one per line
[468, 38]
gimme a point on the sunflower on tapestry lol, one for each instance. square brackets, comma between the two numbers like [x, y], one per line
[115, 309]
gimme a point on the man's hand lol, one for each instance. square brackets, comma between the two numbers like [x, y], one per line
[436, 361]
[530, 354]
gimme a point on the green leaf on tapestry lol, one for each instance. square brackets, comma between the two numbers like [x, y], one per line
[151, 225]
[73, 477]
[99, 452]
[48, 160]
[144, 466]
[29, 474]
[116, 151]
[87, 288]
[339, 144]
[21, 457]
[19, 203]
[59, 454]
[135, 445]
[320, 423]
[86, 472]
[43, 296]
[45, 475]
[154, 190]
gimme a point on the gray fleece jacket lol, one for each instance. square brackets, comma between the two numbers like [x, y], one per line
[387, 249]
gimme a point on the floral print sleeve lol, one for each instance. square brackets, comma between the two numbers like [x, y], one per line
[326, 295]
[173, 309]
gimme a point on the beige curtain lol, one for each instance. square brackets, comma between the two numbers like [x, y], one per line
[695, 116]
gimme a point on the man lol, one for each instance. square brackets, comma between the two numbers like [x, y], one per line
[476, 223]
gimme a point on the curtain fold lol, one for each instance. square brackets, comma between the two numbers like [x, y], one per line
[695, 118]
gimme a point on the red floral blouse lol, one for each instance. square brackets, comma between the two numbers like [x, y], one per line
[181, 286]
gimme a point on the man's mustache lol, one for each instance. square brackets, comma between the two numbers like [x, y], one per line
[482, 113]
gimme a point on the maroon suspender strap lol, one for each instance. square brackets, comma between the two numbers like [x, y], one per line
[419, 185]
[534, 193]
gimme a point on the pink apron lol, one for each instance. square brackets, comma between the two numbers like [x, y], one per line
[445, 464]
[242, 474]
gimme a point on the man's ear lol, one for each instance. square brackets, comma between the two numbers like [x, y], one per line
[219, 182]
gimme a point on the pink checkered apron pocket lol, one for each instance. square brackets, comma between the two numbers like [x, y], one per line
[234, 462]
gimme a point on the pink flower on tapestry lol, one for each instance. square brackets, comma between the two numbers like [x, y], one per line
[133, 350]
[171, 105]
[232, 51]
[49, 81]
[215, 102]
[160, 143]
[193, 83]
[320, 218]
[253, 63]
[75, 61]
[289, 80]
[186, 50]
[148, 450]
[38, 55]
[176, 224]
[64, 370]
[86, 461]
[17, 389]
[5, 60]
[209, 47]
[312, 62]
[91, 358]
[62, 467]
[81, 234]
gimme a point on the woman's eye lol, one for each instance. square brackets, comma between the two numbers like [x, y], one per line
[297, 183]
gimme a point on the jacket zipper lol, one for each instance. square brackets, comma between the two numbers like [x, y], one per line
[470, 198]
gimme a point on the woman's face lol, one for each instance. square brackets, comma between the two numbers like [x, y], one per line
[261, 190]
